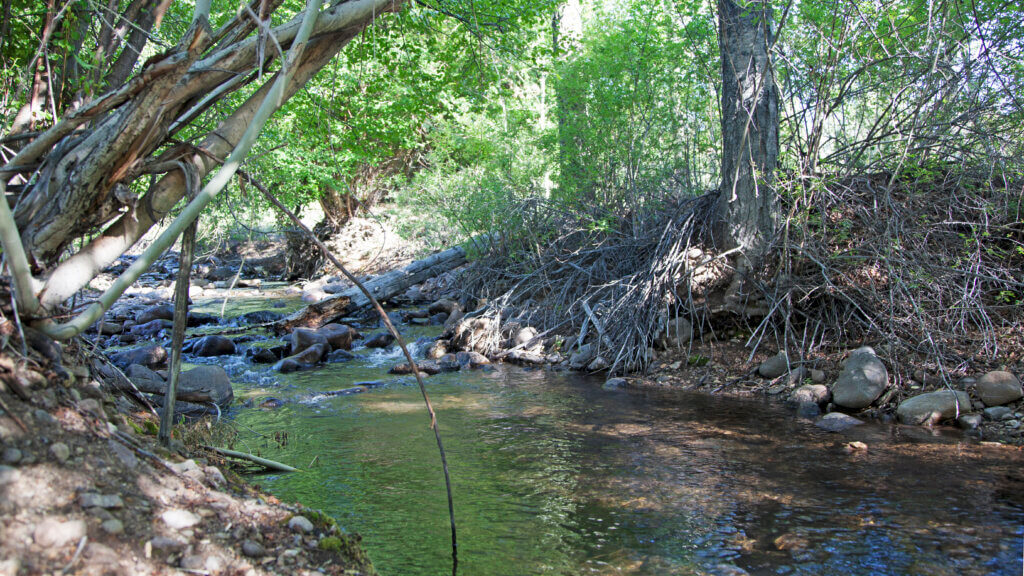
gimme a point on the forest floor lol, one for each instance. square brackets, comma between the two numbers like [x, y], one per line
[86, 489]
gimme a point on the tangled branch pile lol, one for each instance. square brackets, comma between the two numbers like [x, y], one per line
[931, 266]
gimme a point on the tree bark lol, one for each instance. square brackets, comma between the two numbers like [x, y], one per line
[748, 209]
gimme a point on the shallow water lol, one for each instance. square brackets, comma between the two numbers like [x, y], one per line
[553, 475]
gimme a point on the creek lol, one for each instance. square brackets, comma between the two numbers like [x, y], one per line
[554, 475]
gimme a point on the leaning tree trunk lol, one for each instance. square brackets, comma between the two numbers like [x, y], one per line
[748, 210]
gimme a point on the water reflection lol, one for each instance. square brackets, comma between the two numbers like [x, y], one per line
[553, 475]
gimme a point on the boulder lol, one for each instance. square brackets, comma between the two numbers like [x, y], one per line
[598, 364]
[302, 338]
[339, 336]
[260, 317]
[862, 380]
[261, 355]
[817, 394]
[933, 407]
[997, 388]
[157, 312]
[445, 306]
[437, 350]
[213, 345]
[382, 340]
[775, 366]
[201, 319]
[449, 363]
[837, 422]
[678, 333]
[151, 329]
[340, 356]
[614, 384]
[208, 377]
[582, 357]
[307, 358]
[149, 356]
[471, 359]
[438, 319]
[145, 379]
[427, 367]
[997, 413]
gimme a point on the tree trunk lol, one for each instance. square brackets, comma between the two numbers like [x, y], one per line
[748, 210]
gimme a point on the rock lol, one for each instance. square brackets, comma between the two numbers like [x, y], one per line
[60, 451]
[213, 345]
[166, 544]
[158, 312]
[998, 387]
[220, 273]
[425, 367]
[178, 519]
[852, 447]
[262, 355]
[52, 533]
[1012, 423]
[201, 319]
[105, 501]
[300, 524]
[288, 365]
[112, 526]
[614, 384]
[598, 364]
[837, 422]
[471, 359]
[678, 333]
[969, 421]
[260, 317]
[449, 363]
[144, 378]
[453, 320]
[340, 356]
[445, 306]
[932, 407]
[808, 410]
[438, 319]
[338, 336]
[811, 393]
[11, 455]
[152, 329]
[862, 380]
[817, 376]
[525, 335]
[775, 366]
[303, 338]
[214, 476]
[437, 350]
[150, 356]
[382, 340]
[582, 357]
[8, 475]
[526, 357]
[253, 549]
[208, 377]
[335, 287]
[998, 413]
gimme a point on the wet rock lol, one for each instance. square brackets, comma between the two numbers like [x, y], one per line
[817, 376]
[775, 366]
[437, 350]
[998, 387]
[220, 274]
[453, 320]
[262, 355]
[932, 407]
[144, 378]
[150, 356]
[445, 306]
[289, 365]
[158, 312]
[213, 345]
[790, 541]
[338, 336]
[166, 544]
[60, 451]
[306, 359]
[998, 413]
[303, 338]
[208, 377]
[817, 394]
[969, 421]
[852, 447]
[340, 356]
[105, 501]
[584, 356]
[1012, 423]
[449, 363]
[438, 319]
[808, 410]
[598, 364]
[862, 380]
[179, 519]
[335, 287]
[614, 384]
[382, 340]
[526, 357]
[53, 533]
[11, 455]
[112, 526]
[471, 359]
[260, 317]
[151, 330]
[253, 549]
[426, 367]
[837, 422]
[300, 524]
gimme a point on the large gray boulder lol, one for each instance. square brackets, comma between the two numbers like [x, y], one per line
[862, 380]
[213, 345]
[582, 357]
[339, 336]
[149, 356]
[933, 407]
[208, 377]
[302, 338]
[997, 388]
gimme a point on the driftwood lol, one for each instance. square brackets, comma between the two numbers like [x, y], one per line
[269, 464]
[382, 287]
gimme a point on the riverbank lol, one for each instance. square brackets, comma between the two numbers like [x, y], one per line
[86, 489]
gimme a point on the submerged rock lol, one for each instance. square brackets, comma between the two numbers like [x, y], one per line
[382, 340]
[837, 422]
[933, 407]
[862, 380]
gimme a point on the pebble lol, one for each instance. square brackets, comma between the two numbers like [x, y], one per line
[253, 549]
[166, 544]
[106, 501]
[12, 455]
[44, 417]
[113, 526]
[8, 475]
[60, 451]
[52, 533]
[300, 524]
[178, 519]
[969, 421]
[1012, 424]
[998, 413]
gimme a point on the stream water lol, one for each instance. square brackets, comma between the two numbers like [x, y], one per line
[553, 475]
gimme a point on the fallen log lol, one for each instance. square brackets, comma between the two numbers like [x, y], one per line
[269, 464]
[382, 287]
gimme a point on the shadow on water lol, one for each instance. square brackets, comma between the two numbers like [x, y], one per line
[553, 475]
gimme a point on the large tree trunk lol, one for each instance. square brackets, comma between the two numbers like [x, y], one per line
[748, 209]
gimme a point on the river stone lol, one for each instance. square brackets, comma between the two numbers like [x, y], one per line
[179, 519]
[932, 407]
[339, 336]
[11, 455]
[262, 355]
[582, 357]
[260, 317]
[303, 338]
[382, 340]
[105, 501]
[862, 380]
[998, 387]
[598, 364]
[969, 421]
[60, 451]
[837, 422]
[340, 356]
[678, 332]
[614, 384]
[253, 549]
[151, 329]
[213, 345]
[158, 312]
[449, 363]
[148, 356]
[52, 533]
[440, 306]
[998, 413]
[437, 350]
[471, 359]
[300, 524]
[112, 526]
[811, 394]
[524, 336]
[437, 319]
[775, 366]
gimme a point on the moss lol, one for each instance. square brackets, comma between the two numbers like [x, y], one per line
[150, 427]
[331, 544]
[349, 551]
[319, 519]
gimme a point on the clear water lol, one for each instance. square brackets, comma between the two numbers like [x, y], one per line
[553, 475]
